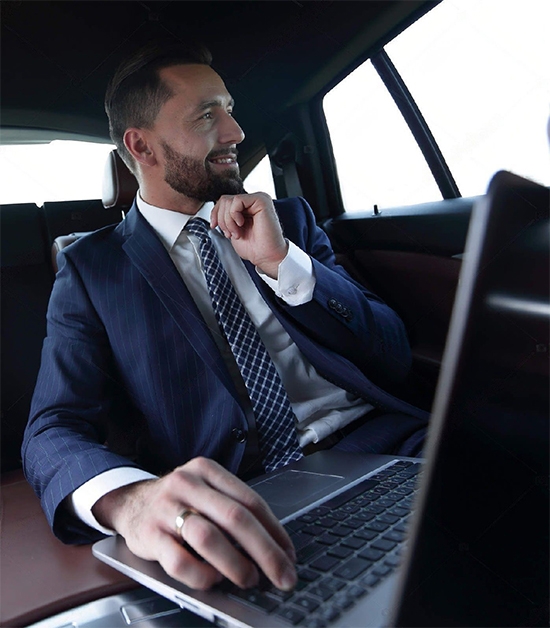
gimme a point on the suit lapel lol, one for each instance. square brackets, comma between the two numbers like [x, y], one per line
[152, 260]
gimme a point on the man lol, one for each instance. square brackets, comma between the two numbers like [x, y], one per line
[138, 346]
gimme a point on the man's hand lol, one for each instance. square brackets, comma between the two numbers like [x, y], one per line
[252, 224]
[225, 511]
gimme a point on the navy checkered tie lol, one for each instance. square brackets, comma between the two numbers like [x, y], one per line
[275, 419]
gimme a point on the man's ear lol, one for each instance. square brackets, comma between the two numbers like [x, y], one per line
[136, 142]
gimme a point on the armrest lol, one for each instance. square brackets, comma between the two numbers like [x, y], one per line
[40, 576]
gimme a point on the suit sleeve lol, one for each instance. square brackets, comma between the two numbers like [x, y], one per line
[343, 315]
[63, 446]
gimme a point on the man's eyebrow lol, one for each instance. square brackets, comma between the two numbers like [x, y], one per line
[208, 104]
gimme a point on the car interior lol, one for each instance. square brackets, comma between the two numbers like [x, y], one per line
[278, 60]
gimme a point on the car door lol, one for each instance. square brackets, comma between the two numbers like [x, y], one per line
[393, 187]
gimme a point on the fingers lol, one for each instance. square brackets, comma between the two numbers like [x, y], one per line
[237, 521]
[229, 508]
[232, 487]
[234, 214]
[252, 224]
[153, 535]
[229, 215]
[181, 565]
[208, 541]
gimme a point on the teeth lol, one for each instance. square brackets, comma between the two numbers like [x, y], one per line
[223, 161]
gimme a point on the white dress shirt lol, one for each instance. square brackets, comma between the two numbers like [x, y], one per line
[320, 406]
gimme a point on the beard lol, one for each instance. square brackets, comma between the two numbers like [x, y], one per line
[196, 179]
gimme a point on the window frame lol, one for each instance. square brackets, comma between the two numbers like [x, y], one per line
[412, 116]
[417, 124]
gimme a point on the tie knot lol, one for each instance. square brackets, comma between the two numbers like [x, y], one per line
[198, 227]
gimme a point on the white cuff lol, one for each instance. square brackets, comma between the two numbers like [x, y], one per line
[295, 281]
[84, 497]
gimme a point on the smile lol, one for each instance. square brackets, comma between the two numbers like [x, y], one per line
[226, 160]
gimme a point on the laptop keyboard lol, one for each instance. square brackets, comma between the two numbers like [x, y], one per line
[345, 548]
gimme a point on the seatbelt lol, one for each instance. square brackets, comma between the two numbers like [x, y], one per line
[284, 156]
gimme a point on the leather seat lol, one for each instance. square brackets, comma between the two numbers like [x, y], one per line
[63, 241]
[119, 184]
[119, 190]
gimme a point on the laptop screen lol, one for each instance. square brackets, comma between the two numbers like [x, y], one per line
[480, 555]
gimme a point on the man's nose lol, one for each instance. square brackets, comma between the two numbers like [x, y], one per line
[230, 131]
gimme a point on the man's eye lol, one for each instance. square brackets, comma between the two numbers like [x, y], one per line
[208, 115]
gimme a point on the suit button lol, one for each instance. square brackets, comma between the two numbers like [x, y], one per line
[239, 435]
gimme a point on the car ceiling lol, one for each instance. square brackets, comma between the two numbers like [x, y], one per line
[57, 57]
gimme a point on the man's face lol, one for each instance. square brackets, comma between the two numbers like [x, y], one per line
[198, 135]
[197, 179]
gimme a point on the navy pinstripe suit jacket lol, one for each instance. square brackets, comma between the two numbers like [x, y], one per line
[128, 355]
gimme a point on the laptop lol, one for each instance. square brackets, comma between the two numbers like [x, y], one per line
[460, 537]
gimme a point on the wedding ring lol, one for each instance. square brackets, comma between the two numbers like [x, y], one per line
[181, 518]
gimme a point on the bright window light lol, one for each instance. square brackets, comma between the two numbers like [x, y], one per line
[62, 170]
[260, 179]
[479, 73]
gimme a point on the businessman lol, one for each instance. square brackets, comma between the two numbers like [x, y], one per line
[207, 337]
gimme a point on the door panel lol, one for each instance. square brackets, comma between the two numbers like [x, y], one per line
[410, 257]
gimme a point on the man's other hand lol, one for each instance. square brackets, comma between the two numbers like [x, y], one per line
[226, 512]
[252, 224]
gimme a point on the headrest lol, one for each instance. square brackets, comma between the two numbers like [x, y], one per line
[119, 184]
[62, 242]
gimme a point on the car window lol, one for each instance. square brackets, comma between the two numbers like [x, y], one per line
[61, 170]
[260, 179]
[377, 158]
[489, 64]
[479, 73]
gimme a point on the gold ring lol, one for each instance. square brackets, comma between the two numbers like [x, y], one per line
[181, 518]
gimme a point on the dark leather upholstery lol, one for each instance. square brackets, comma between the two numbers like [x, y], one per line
[40, 576]
[61, 242]
[119, 184]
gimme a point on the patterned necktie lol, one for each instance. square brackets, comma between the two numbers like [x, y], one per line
[275, 419]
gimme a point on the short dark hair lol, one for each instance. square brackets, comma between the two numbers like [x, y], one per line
[136, 92]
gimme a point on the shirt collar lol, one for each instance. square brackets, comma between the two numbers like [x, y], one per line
[169, 224]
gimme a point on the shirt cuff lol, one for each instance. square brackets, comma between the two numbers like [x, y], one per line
[84, 497]
[295, 282]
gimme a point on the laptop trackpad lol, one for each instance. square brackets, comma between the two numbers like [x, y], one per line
[289, 488]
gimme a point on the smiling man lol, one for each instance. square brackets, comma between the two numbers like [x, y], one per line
[195, 138]
[210, 335]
